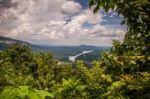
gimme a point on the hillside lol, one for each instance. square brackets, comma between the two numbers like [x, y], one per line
[5, 42]
[61, 53]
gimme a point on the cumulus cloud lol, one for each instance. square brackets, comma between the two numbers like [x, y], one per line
[44, 21]
[35, 13]
[73, 31]
[70, 7]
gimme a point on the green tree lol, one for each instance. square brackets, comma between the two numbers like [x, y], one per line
[129, 61]
[14, 65]
[136, 17]
[18, 55]
[71, 89]
[94, 78]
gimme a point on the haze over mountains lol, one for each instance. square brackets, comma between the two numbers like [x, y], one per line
[5, 42]
[61, 53]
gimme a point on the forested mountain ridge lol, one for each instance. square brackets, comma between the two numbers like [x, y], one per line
[61, 53]
[6, 41]
[10, 41]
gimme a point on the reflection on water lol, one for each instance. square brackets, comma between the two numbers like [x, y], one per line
[73, 58]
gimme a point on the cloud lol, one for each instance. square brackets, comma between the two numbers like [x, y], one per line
[7, 4]
[44, 22]
[73, 31]
[71, 7]
[35, 13]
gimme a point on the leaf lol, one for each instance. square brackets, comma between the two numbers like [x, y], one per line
[91, 3]
[80, 87]
[22, 92]
[44, 94]
[123, 22]
[33, 95]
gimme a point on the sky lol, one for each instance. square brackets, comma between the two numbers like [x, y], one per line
[59, 22]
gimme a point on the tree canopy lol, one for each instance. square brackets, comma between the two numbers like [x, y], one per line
[137, 18]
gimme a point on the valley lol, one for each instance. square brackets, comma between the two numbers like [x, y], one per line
[61, 53]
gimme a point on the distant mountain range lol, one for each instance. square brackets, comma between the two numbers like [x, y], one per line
[9, 41]
[5, 42]
[60, 52]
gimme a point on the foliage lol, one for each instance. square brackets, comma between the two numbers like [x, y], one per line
[24, 92]
[95, 79]
[42, 71]
[71, 89]
[117, 75]
[128, 62]
[136, 17]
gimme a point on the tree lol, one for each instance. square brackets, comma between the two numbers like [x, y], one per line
[18, 55]
[14, 65]
[128, 63]
[136, 17]
[71, 89]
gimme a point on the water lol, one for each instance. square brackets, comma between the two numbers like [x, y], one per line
[73, 58]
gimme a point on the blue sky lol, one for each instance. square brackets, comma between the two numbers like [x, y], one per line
[59, 22]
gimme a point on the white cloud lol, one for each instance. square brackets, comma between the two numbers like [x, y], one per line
[70, 7]
[56, 23]
[93, 18]
[75, 32]
[42, 21]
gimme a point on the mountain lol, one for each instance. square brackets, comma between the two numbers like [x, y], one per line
[9, 41]
[5, 42]
[61, 53]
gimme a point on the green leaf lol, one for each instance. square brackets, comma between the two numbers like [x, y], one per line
[22, 92]
[44, 94]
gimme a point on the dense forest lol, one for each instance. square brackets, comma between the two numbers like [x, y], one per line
[121, 73]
